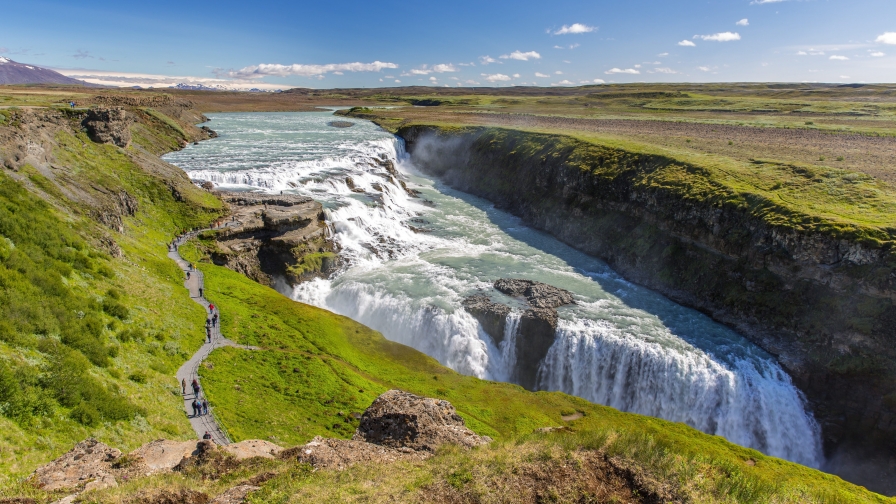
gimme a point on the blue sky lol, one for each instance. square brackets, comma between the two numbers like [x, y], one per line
[337, 43]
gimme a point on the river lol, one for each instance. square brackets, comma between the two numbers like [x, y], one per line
[410, 261]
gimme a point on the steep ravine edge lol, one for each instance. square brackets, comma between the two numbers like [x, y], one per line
[821, 303]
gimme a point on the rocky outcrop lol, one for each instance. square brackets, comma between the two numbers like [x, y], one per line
[397, 426]
[492, 316]
[108, 125]
[818, 298]
[86, 466]
[537, 326]
[400, 419]
[539, 295]
[274, 236]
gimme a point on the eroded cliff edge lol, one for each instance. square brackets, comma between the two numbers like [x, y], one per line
[819, 297]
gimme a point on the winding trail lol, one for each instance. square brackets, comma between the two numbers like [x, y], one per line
[189, 371]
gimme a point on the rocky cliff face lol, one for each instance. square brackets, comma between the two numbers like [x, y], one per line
[273, 237]
[537, 326]
[822, 303]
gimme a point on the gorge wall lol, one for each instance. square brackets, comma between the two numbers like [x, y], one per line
[820, 300]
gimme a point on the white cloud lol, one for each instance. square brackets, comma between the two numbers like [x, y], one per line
[686, 43]
[433, 79]
[558, 72]
[266, 69]
[485, 60]
[543, 76]
[390, 76]
[743, 22]
[522, 56]
[665, 70]
[398, 81]
[845, 77]
[887, 38]
[516, 76]
[760, 2]
[878, 54]
[703, 68]
[631, 71]
[496, 77]
[564, 82]
[128, 79]
[573, 46]
[637, 66]
[720, 37]
[593, 81]
[801, 53]
[574, 28]
[558, 47]
[663, 55]
[426, 70]
[837, 57]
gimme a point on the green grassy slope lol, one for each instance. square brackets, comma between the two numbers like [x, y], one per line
[89, 341]
[315, 368]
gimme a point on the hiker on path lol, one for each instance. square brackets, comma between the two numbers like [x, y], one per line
[207, 435]
[183, 386]
[208, 334]
[195, 388]
[211, 308]
[205, 406]
[188, 275]
[196, 407]
[215, 320]
[200, 292]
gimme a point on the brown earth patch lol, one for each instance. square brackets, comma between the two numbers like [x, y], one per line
[584, 476]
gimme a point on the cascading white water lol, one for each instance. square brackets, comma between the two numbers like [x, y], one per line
[411, 261]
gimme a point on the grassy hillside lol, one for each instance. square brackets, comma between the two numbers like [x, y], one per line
[93, 321]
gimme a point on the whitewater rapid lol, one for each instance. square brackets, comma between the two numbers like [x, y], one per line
[411, 260]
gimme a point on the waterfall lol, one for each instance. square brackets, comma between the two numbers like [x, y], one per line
[751, 403]
[409, 262]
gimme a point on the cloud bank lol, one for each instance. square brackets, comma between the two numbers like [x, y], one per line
[278, 70]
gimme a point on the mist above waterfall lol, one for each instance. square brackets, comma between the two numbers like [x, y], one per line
[411, 261]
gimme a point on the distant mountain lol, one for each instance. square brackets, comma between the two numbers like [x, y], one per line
[12, 72]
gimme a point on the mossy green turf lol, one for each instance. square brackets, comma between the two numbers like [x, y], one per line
[315, 368]
[89, 342]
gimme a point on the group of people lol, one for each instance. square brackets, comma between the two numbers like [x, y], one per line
[211, 322]
[200, 407]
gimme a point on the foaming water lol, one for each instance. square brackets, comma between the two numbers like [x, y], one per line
[411, 261]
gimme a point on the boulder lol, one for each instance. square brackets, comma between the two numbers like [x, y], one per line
[90, 461]
[108, 125]
[400, 419]
[539, 295]
[492, 316]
